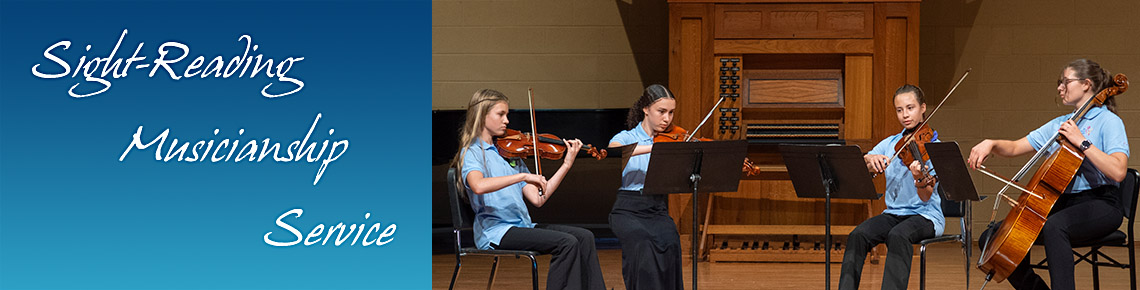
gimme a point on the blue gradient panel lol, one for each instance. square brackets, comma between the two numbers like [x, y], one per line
[72, 216]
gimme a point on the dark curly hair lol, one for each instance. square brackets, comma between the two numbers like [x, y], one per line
[652, 93]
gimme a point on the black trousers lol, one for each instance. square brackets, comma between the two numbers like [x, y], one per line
[650, 244]
[575, 262]
[899, 232]
[1075, 218]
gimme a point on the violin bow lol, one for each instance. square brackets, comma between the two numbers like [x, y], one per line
[534, 136]
[1008, 182]
[927, 119]
[533, 129]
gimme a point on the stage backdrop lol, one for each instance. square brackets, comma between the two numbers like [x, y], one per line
[128, 130]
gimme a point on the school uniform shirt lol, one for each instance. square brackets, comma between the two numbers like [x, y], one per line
[498, 211]
[1104, 130]
[901, 195]
[633, 175]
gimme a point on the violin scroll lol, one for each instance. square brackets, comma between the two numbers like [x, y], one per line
[749, 168]
[597, 153]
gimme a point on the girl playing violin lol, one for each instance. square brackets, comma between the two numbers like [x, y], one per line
[650, 244]
[914, 211]
[1090, 207]
[496, 188]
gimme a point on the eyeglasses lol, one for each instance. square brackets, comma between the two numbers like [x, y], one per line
[1066, 81]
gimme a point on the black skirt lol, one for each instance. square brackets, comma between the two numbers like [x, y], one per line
[650, 244]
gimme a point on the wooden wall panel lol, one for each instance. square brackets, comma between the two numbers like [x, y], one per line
[857, 113]
[690, 42]
[794, 21]
[764, 46]
[895, 24]
[792, 88]
[692, 58]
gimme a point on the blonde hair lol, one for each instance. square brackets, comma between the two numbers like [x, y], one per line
[481, 103]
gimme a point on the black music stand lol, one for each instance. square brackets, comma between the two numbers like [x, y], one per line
[953, 177]
[954, 184]
[684, 167]
[828, 171]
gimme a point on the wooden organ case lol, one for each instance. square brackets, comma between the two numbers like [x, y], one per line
[816, 72]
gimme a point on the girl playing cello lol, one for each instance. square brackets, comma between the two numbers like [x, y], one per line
[1089, 207]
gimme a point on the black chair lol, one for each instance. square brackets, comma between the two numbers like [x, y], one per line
[461, 219]
[1128, 195]
[959, 210]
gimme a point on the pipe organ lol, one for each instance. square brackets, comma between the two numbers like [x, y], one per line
[809, 72]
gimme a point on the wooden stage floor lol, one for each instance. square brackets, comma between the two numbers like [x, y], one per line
[945, 270]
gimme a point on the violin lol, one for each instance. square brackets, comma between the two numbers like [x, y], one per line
[678, 134]
[521, 145]
[915, 149]
[913, 146]
[518, 144]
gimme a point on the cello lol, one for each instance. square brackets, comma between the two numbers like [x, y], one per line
[1011, 241]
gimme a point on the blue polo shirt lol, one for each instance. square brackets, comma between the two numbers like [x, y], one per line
[901, 196]
[633, 175]
[498, 211]
[1104, 130]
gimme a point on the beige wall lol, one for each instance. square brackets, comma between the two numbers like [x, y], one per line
[582, 54]
[575, 54]
[1017, 50]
